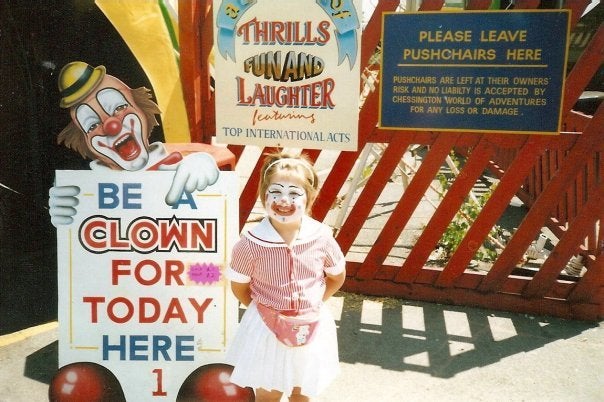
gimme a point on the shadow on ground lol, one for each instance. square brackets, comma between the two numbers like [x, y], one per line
[400, 335]
[440, 340]
[43, 363]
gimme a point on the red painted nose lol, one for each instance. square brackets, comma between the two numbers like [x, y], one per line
[112, 126]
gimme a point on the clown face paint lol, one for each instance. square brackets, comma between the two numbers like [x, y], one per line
[285, 201]
[114, 130]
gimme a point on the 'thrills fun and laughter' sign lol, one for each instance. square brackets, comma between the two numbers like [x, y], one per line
[287, 72]
[141, 284]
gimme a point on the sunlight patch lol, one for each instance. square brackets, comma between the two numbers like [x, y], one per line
[420, 359]
[336, 306]
[502, 328]
[413, 318]
[457, 348]
[371, 313]
[457, 324]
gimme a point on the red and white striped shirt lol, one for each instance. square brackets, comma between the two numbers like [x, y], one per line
[286, 277]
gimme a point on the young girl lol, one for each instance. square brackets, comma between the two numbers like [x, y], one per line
[283, 270]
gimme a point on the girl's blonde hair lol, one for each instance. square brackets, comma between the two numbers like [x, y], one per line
[298, 165]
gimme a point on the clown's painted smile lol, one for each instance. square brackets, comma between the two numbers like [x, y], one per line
[125, 146]
[285, 201]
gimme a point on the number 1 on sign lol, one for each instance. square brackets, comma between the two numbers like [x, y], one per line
[160, 383]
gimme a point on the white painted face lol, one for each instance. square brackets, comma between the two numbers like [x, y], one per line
[285, 201]
[114, 125]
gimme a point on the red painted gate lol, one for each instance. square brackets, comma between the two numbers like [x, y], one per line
[558, 179]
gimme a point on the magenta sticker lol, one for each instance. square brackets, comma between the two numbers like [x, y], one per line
[204, 273]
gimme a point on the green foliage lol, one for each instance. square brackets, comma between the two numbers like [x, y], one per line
[464, 219]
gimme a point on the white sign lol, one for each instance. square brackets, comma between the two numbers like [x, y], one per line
[141, 284]
[287, 72]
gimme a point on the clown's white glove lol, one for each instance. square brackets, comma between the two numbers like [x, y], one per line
[62, 201]
[195, 172]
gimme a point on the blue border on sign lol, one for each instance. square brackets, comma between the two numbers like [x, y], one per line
[483, 71]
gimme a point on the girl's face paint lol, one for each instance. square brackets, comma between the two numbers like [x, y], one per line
[285, 201]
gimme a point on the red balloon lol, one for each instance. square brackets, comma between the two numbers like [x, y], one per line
[85, 382]
[212, 383]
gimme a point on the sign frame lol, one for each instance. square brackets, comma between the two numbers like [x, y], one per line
[142, 290]
[287, 73]
[481, 58]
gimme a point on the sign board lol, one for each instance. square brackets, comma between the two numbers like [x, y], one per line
[487, 71]
[141, 284]
[287, 73]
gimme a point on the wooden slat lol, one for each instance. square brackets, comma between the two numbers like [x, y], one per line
[567, 245]
[542, 179]
[431, 5]
[312, 154]
[590, 285]
[555, 157]
[575, 122]
[333, 183]
[584, 69]
[496, 301]
[372, 32]
[576, 192]
[493, 209]
[446, 211]
[346, 160]
[388, 161]
[237, 150]
[404, 209]
[589, 289]
[590, 180]
[190, 68]
[577, 7]
[208, 105]
[539, 211]
[478, 4]
[531, 187]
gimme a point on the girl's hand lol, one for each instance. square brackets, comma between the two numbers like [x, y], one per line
[242, 292]
[333, 283]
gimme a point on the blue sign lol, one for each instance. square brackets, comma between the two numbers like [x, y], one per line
[499, 71]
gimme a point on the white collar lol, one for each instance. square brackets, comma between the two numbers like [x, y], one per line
[265, 234]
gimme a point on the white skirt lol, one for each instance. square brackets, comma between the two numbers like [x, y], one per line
[261, 361]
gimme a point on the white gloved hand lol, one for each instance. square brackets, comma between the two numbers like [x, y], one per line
[62, 201]
[195, 172]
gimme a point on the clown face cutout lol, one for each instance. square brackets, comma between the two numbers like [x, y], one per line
[285, 201]
[114, 126]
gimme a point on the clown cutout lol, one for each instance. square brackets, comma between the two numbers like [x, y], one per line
[111, 124]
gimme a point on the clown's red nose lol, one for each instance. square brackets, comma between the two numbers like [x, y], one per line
[112, 126]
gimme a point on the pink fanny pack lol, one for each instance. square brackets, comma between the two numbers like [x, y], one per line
[291, 330]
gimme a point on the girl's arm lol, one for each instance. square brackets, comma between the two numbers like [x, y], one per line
[242, 292]
[333, 283]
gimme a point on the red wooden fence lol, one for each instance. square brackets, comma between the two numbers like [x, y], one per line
[559, 179]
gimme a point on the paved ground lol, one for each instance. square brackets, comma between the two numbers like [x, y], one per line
[396, 350]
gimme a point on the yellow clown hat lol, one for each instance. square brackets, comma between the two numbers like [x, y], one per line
[77, 80]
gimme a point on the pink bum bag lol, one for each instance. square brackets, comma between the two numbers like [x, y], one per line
[291, 330]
